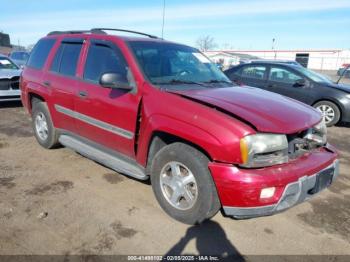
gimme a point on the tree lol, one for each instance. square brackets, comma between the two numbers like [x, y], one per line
[205, 43]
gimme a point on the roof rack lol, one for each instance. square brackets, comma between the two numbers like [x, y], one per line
[122, 30]
[72, 32]
[99, 31]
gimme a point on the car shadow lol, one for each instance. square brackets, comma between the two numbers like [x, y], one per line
[343, 124]
[10, 104]
[210, 239]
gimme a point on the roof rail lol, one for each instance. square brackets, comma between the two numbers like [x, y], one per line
[121, 30]
[98, 31]
[75, 32]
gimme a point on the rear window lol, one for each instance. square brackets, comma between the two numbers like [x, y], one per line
[66, 58]
[20, 56]
[40, 53]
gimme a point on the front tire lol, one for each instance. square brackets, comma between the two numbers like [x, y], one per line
[44, 131]
[330, 112]
[183, 185]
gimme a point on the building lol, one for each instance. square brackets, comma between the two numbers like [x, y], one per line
[226, 59]
[331, 59]
[5, 44]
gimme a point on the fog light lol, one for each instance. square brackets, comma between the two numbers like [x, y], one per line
[267, 192]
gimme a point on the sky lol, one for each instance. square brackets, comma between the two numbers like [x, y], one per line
[235, 24]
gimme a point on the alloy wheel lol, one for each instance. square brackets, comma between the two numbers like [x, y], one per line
[41, 126]
[179, 186]
[327, 112]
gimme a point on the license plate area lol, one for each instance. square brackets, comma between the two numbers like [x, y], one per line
[323, 180]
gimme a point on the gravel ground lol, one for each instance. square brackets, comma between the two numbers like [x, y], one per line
[58, 202]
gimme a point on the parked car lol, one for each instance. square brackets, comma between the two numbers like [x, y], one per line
[333, 100]
[344, 71]
[9, 80]
[157, 110]
[19, 57]
[288, 62]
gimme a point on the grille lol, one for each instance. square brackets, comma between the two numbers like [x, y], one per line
[6, 84]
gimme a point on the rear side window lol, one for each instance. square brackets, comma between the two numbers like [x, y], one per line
[104, 59]
[40, 53]
[234, 73]
[66, 59]
[256, 72]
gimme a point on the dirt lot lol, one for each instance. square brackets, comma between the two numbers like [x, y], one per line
[57, 202]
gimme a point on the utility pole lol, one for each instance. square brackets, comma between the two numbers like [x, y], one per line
[163, 18]
[273, 47]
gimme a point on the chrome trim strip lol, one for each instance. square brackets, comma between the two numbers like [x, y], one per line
[95, 122]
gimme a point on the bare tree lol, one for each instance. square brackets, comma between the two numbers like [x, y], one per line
[205, 43]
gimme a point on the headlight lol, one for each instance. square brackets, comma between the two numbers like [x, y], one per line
[262, 150]
[348, 96]
[318, 134]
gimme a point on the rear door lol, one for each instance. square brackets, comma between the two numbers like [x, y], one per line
[282, 80]
[104, 115]
[254, 75]
[61, 79]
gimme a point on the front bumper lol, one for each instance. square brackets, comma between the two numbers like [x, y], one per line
[293, 194]
[10, 95]
[239, 189]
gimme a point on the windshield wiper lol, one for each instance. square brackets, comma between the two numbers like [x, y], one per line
[176, 81]
[217, 81]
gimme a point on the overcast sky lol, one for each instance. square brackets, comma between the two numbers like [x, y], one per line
[297, 24]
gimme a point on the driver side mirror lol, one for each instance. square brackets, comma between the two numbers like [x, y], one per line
[300, 82]
[114, 80]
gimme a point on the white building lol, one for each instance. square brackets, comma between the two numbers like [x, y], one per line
[313, 59]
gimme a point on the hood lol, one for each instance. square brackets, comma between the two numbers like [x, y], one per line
[9, 73]
[343, 87]
[266, 111]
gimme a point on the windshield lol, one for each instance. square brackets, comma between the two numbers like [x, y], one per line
[314, 76]
[173, 64]
[6, 63]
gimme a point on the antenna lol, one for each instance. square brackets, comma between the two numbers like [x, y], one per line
[163, 18]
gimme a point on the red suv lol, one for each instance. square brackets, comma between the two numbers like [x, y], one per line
[149, 108]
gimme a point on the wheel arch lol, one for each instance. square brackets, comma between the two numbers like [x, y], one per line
[160, 139]
[32, 97]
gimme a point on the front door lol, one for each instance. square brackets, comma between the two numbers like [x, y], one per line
[104, 115]
[283, 81]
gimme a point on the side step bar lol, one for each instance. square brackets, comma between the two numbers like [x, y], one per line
[112, 161]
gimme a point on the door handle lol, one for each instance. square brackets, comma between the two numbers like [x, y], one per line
[83, 94]
[47, 83]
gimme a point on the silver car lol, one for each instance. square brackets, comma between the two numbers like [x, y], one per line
[9, 80]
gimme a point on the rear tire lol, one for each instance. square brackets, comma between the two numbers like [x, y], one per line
[44, 131]
[330, 112]
[183, 185]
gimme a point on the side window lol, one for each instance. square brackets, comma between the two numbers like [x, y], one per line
[40, 53]
[104, 59]
[66, 58]
[283, 75]
[256, 72]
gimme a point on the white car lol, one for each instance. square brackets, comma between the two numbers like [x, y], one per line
[9, 80]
